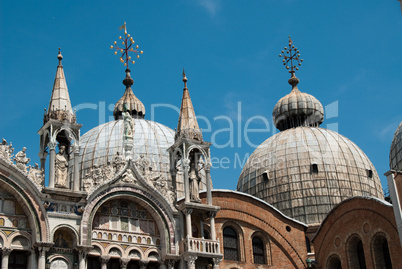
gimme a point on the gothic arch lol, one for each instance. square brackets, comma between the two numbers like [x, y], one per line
[147, 200]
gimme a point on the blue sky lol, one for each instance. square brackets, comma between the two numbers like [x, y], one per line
[351, 51]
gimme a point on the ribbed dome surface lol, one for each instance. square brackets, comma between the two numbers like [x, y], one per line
[395, 155]
[308, 171]
[151, 139]
[297, 109]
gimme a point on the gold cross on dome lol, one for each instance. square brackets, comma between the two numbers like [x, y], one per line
[127, 46]
[291, 54]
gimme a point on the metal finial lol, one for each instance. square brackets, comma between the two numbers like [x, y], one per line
[59, 56]
[291, 55]
[128, 46]
[184, 79]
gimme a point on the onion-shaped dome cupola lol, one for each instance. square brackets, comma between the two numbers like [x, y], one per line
[134, 106]
[297, 109]
[395, 155]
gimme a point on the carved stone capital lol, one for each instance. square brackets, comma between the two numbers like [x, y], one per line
[211, 214]
[208, 166]
[191, 260]
[216, 261]
[143, 264]
[186, 163]
[104, 259]
[188, 211]
[52, 145]
[124, 262]
[5, 251]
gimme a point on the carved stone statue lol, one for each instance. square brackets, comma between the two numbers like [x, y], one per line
[142, 164]
[61, 169]
[21, 160]
[87, 182]
[194, 184]
[6, 150]
[98, 174]
[109, 171]
[36, 174]
[118, 162]
[128, 122]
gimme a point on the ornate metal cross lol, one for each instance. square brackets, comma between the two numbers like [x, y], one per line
[289, 55]
[128, 46]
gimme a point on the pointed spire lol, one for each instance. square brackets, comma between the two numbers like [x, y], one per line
[60, 105]
[187, 126]
[134, 106]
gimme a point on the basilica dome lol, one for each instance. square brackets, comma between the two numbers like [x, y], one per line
[305, 170]
[151, 140]
[395, 155]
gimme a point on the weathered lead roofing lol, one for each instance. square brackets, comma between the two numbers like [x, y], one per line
[395, 155]
[297, 109]
[304, 172]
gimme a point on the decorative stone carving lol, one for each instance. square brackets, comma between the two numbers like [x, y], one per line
[87, 182]
[145, 169]
[191, 261]
[128, 177]
[216, 261]
[108, 171]
[6, 150]
[61, 168]
[21, 160]
[97, 174]
[118, 162]
[36, 174]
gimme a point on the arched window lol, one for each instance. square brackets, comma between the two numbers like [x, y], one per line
[230, 244]
[356, 253]
[334, 263]
[382, 259]
[258, 251]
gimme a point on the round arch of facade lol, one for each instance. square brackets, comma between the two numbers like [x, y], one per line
[31, 206]
[240, 233]
[143, 198]
[68, 227]
[57, 257]
[15, 235]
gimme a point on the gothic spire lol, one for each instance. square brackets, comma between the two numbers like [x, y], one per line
[60, 105]
[187, 126]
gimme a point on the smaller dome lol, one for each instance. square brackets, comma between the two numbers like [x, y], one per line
[134, 106]
[297, 109]
[395, 155]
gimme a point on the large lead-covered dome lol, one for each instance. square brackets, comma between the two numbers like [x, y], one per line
[395, 155]
[305, 171]
[151, 139]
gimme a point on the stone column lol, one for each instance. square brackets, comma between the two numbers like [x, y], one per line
[212, 216]
[82, 254]
[76, 177]
[42, 157]
[216, 261]
[42, 258]
[5, 254]
[186, 168]
[104, 260]
[188, 222]
[209, 183]
[124, 262]
[52, 150]
[191, 261]
[32, 262]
